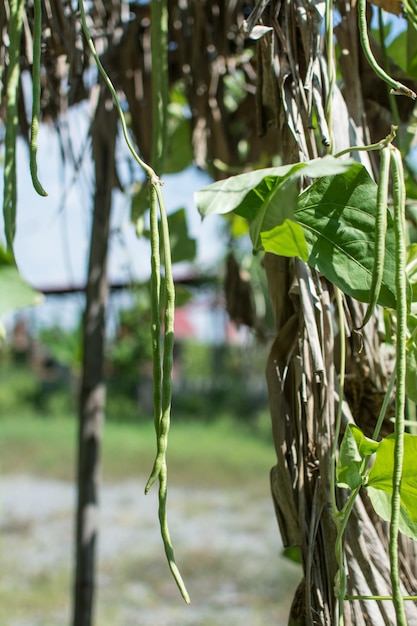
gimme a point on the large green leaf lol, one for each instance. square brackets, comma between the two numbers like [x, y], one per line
[337, 214]
[273, 229]
[338, 217]
[380, 478]
[286, 239]
[268, 198]
[412, 50]
[381, 501]
[252, 191]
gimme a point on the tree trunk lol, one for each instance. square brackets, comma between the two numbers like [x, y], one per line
[92, 395]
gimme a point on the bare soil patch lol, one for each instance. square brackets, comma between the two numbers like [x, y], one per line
[227, 546]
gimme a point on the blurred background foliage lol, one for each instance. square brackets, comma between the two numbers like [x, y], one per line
[40, 363]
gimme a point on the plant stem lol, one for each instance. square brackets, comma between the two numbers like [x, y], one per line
[146, 168]
[372, 146]
[384, 406]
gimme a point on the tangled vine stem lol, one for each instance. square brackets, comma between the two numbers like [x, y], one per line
[162, 380]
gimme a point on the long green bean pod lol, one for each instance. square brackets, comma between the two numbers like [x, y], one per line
[397, 88]
[155, 326]
[340, 583]
[162, 384]
[36, 96]
[331, 73]
[164, 396]
[380, 231]
[13, 74]
[162, 377]
[401, 293]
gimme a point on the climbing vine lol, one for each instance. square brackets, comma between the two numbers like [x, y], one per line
[331, 225]
[342, 255]
[341, 225]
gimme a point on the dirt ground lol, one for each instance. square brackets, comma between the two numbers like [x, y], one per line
[227, 546]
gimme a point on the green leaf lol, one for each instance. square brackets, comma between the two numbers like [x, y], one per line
[274, 229]
[338, 217]
[366, 445]
[380, 478]
[411, 269]
[353, 449]
[411, 373]
[412, 50]
[411, 359]
[15, 292]
[268, 198]
[183, 247]
[293, 553]
[238, 226]
[246, 193]
[140, 201]
[397, 51]
[381, 501]
[287, 239]
[349, 462]
[179, 153]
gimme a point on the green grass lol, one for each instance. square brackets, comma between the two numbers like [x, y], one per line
[219, 453]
